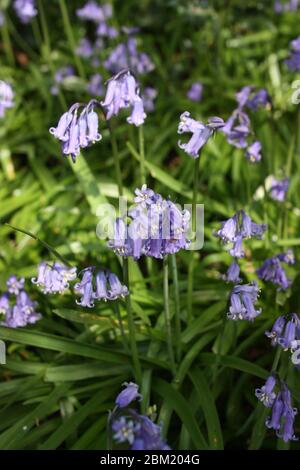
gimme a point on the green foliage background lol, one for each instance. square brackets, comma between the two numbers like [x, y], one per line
[63, 373]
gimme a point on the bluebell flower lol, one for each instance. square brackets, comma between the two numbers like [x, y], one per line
[124, 430]
[6, 97]
[60, 75]
[266, 393]
[95, 85]
[15, 284]
[85, 48]
[85, 289]
[126, 56]
[99, 285]
[273, 271]
[278, 189]
[283, 415]
[237, 129]
[233, 273]
[22, 313]
[253, 152]
[293, 62]
[136, 429]
[105, 30]
[195, 92]
[128, 395]
[200, 132]
[91, 11]
[276, 331]
[76, 132]
[122, 92]
[157, 227]
[260, 99]
[149, 436]
[237, 228]
[2, 18]
[242, 300]
[148, 96]
[25, 10]
[116, 289]
[288, 5]
[4, 304]
[54, 279]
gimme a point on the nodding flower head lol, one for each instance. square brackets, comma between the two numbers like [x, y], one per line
[77, 130]
[122, 92]
[283, 414]
[266, 393]
[99, 285]
[279, 188]
[272, 270]
[6, 97]
[233, 273]
[15, 285]
[128, 395]
[156, 227]
[242, 300]
[195, 92]
[253, 152]
[54, 279]
[25, 10]
[200, 132]
[236, 229]
[91, 11]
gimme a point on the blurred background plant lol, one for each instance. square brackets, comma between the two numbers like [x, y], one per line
[62, 372]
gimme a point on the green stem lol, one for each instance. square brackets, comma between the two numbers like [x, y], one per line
[190, 288]
[142, 154]
[195, 193]
[276, 359]
[36, 32]
[115, 152]
[121, 326]
[7, 43]
[177, 307]
[167, 314]
[69, 31]
[47, 49]
[131, 327]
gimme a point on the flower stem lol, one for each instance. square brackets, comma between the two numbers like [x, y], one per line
[142, 154]
[190, 288]
[276, 359]
[115, 152]
[177, 306]
[195, 194]
[167, 314]
[131, 327]
[121, 326]
[69, 32]
[7, 43]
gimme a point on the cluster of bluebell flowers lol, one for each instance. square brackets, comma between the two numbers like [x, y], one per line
[55, 278]
[77, 130]
[287, 5]
[122, 93]
[238, 127]
[157, 227]
[285, 333]
[99, 285]
[273, 271]
[200, 132]
[6, 97]
[236, 229]
[276, 396]
[129, 426]
[16, 307]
